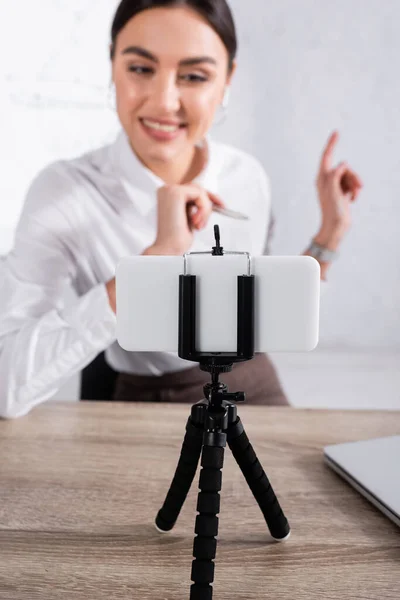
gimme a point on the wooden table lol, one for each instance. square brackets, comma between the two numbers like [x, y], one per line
[81, 484]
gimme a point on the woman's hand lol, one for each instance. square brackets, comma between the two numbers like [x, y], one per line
[110, 289]
[337, 188]
[181, 210]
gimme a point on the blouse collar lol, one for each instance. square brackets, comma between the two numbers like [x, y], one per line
[142, 183]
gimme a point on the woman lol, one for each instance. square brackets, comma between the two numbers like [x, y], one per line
[150, 192]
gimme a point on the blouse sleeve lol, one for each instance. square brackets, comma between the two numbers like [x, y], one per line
[42, 341]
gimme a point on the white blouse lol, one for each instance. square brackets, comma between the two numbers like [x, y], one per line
[79, 218]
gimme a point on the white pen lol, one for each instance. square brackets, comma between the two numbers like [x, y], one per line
[227, 212]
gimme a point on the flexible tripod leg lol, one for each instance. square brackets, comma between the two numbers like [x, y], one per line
[257, 480]
[208, 506]
[185, 472]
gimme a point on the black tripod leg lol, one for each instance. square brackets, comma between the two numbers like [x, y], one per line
[184, 475]
[257, 480]
[208, 506]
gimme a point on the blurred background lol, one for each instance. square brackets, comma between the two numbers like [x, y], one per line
[305, 68]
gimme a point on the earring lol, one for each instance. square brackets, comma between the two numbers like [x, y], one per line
[225, 100]
[111, 100]
[222, 112]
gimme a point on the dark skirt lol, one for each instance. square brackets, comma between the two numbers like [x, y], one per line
[256, 377]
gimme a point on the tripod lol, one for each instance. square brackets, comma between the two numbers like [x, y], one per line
[213, 423]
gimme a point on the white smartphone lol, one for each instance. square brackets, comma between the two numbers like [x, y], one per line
[287, 291]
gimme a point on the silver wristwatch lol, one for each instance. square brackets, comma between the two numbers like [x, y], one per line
[321, 253]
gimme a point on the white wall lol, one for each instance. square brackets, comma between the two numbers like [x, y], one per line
[315, 66]
[53, 83]
[305, 68]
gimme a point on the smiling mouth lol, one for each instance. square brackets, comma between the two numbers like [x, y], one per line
[162, 127]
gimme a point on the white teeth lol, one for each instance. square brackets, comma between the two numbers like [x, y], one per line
[159, 127]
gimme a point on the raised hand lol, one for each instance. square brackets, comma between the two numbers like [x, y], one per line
[337, 188]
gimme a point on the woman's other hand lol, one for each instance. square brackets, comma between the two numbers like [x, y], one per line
[181, 210]
[337, 188]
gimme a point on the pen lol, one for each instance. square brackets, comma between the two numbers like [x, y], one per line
[227, 212]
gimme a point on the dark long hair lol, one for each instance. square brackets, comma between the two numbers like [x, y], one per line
[216, 12]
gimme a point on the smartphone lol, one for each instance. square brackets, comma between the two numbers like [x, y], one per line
[287, 290]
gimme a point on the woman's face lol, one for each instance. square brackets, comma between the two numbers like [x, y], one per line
[154, 84]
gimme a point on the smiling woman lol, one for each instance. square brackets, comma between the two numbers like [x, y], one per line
[167, 87]
[151, 191]
[155, 190]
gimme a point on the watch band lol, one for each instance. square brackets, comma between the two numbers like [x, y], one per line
[321, 253]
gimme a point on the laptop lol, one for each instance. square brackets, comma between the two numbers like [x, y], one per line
[372, 467]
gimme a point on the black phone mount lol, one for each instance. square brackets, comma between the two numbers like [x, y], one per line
[213, 423]
[216, 361]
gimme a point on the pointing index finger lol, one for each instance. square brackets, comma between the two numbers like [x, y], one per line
[326, 160]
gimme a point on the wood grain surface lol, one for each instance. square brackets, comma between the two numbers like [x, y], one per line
[81, 484]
